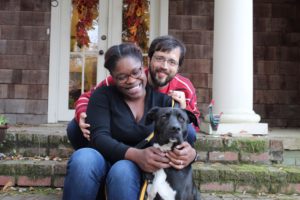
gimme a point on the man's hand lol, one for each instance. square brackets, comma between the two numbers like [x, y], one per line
[83, 126]
[182, 155]
[178, 96]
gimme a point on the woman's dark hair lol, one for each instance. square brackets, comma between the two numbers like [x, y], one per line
[117, 52]
[166, 44]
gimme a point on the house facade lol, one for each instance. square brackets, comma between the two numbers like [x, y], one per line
[37, 54]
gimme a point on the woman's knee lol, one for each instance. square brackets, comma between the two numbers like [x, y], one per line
[124, 170]
[87, 160]
[86, 172]
[124, 177]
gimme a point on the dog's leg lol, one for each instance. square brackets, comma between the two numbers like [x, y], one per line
[197, 195]
[151, 191]
[161, 186]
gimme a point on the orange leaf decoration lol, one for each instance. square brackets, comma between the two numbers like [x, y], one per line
[7, 186]
[87, 13]
[136, 22]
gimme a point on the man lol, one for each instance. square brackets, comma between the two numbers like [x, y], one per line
[166, 55]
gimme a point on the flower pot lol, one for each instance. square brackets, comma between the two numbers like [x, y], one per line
[3, 130]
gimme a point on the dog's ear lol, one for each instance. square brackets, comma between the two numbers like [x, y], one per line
[192, 117]
[151, 115]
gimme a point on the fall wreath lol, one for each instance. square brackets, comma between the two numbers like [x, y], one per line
[87, 14]
[135, 21]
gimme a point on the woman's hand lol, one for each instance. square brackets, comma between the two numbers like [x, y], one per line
[182, 155]
[149, 160]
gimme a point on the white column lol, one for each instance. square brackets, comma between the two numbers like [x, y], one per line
[233, 68]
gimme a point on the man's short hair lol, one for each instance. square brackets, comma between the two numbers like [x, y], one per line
[166, 44]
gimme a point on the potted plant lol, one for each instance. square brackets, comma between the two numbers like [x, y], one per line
[3, 127]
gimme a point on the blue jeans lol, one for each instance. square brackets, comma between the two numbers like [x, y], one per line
[77, 140]
[88, 172]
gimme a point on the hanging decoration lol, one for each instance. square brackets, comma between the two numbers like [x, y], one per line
[87, 15]
[136, 22]
[54, 3]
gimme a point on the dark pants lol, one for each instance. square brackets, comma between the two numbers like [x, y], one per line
[77, 140]
[75, 135]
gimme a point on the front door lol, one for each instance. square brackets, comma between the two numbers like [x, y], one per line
[85, 29]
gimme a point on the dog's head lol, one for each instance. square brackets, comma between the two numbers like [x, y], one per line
[170, 124]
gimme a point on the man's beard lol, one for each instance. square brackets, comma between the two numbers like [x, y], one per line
[158, 82]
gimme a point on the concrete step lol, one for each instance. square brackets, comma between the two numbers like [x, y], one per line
[216, 177]
[290, 137]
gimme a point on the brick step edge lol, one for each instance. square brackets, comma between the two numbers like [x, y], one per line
[215, 177]
[33, 172]
[227, 150]
[30, 145]
[248, 178]
[253, 150]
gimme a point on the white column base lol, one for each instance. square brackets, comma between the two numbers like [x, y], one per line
[236, 129]
[250, 117]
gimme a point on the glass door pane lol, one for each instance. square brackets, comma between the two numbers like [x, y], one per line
[83, 48]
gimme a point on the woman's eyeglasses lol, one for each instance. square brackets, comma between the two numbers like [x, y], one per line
[135, 73]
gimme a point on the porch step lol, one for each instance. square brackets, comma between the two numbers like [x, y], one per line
[51, 140]
[42, 140]
[217, 177]
[38, 157]
[56, 194]
[247, 149]
[34, 172]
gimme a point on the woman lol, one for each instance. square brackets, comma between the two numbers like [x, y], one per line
[117, 115]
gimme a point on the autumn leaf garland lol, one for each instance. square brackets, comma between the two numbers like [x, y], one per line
[136, 22]
[87, 13]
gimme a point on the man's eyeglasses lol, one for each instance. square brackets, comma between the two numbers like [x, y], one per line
[135, 73]
[161, 59]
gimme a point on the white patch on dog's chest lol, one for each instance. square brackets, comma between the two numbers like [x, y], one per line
[165, 147]
[160, 186]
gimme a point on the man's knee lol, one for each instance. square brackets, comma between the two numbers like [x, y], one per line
[72, 128]
[75, 135]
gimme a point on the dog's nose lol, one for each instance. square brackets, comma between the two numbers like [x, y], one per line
[175, 128]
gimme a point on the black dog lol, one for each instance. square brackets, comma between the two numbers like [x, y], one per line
[171, 130]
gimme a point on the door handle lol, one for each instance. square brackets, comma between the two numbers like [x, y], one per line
[103, 37]
[101, 52]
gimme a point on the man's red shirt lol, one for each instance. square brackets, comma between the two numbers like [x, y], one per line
[178, 83]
